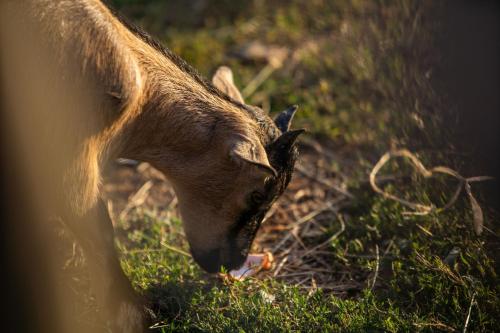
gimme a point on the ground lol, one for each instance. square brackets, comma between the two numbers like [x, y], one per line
[347, 258]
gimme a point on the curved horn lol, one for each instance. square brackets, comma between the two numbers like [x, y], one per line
[287, 139]
[284, 119]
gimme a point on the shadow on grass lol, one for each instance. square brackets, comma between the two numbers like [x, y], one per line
[173, 300]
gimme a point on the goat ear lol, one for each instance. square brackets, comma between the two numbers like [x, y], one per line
[255, 154]
[287, 139]
[284, 119]
[223, 80]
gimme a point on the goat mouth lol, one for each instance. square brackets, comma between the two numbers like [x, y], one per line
[212, 261]
[235, 261]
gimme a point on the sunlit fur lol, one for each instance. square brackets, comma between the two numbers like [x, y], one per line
[112, 91]
[82, 88]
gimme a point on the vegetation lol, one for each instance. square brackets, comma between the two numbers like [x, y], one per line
[361, 72]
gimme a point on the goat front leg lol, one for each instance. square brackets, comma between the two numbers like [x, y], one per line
[116, 298]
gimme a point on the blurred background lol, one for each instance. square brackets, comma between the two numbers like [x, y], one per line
[369, 77]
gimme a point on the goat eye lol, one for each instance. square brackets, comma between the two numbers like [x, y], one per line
[257, 197]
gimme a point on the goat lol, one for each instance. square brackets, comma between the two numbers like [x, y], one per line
[84, 87]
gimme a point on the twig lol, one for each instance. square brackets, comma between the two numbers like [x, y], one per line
[283, 241]
[301, 282]
[258, 80]
[323, 182]
[280, 266]
[468, 313]
[142, 251]
[391, 243]
[338, 287]
[297, 237]
[421, 209]
[294, 274]
[314, 213]
[328, 241]
[438, 325]
[419, 166]
[137, 199]
[300, 221]
[314, 286]
[376, 267]
[427, 232]
[175, 249]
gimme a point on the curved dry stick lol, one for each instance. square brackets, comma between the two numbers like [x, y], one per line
[422, 209]
[383, 160]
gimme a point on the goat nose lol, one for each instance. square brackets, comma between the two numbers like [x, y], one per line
[208, 260]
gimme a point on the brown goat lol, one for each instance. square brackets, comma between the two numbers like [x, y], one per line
[84, 88]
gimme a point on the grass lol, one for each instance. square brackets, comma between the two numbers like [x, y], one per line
[416, 291]
[361, 75]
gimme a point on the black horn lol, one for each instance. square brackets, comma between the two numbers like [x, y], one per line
[287, 139]
[284, 119]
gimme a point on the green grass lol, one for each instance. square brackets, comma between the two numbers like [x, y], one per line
[363, 85]
[417, 291]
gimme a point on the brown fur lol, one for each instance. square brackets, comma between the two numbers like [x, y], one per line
[95, 90]
[152, 91]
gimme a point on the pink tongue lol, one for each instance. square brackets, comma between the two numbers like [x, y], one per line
[251, 266]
